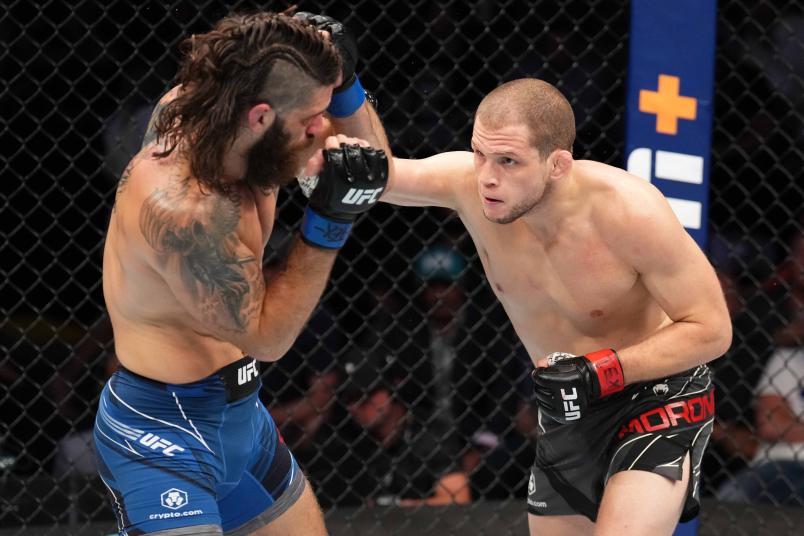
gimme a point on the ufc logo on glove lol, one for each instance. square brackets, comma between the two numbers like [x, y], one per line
[572, 411]
[357, 196]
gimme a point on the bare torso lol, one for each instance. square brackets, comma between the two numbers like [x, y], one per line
[154, 334]
[572, 293]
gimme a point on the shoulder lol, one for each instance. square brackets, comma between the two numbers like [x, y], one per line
[618, 193]
[625, 208]
[178, 209]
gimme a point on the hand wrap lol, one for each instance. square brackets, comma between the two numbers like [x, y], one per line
[565, 388]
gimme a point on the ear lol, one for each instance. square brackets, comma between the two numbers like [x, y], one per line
[260, 117]
[560, 162]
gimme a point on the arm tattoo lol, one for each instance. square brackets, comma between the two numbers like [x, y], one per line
[150, 132]
[227, 288]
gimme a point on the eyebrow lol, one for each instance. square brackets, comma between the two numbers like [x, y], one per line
[496, 153]
[306, 117]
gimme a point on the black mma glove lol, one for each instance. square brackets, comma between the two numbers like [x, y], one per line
[349, 96]
[565, 389]
[350, 183]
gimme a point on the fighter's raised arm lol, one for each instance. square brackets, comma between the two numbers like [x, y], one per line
[351, 110]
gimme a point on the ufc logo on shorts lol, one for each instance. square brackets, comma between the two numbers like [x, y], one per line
[154, 442]
[358, 196]
[245, 373]
[572, 411]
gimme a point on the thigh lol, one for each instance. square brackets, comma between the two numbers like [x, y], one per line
[661, 500]
[303, 518]
[273, 490]
[559, 525]
[151, 492]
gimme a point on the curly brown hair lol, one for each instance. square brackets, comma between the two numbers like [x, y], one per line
[245, 59]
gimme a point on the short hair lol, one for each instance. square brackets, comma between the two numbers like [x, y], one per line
[538, 105]
[245, 59]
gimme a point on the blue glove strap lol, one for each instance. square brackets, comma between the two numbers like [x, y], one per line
[324, 232]
[345, 103]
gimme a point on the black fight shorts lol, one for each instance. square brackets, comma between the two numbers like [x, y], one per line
[649, 426]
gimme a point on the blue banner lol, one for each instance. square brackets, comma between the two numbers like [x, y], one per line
[670, 100]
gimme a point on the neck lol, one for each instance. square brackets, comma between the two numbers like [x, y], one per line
[234, 161]
[557, 204]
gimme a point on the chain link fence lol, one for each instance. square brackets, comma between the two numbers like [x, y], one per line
[407, 296]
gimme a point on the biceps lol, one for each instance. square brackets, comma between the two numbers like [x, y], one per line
[427, 182]
[685, 285]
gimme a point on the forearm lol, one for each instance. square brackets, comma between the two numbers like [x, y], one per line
[675, 348]
[364, 124]
[452, 488]
[789, 431]
[291, 295]
[776, 420]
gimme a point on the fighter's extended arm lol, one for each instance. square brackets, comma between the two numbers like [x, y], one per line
[442, 180]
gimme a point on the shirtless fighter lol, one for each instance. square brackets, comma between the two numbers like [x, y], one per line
[182, 441]
[588, 261]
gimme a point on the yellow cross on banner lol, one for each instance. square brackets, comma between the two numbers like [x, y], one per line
[667, 104]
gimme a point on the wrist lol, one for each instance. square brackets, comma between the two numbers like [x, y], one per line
[324, 231]
[347, 99]
[607, 370]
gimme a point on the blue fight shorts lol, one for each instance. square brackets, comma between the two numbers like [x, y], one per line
[196, 458]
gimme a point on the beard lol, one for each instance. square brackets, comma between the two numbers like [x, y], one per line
[273, 161]
[523, 207]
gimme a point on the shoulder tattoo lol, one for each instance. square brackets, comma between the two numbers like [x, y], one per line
[201, 243]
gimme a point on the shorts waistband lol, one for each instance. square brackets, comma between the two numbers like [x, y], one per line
[239, 379]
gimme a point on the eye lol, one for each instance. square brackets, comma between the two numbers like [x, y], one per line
[505, 161]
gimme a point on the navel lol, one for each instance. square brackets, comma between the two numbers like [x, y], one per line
[596, 313]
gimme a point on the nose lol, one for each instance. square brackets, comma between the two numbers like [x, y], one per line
[315, 127]
[486, 176]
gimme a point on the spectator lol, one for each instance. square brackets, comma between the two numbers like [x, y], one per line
[776, 474]
[299, 389]
[387, 454]
[788, 287]
[735, 377]
[76, 387]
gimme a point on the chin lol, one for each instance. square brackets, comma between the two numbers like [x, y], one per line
[501, 219]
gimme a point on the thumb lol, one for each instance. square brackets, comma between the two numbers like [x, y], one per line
[314, 164]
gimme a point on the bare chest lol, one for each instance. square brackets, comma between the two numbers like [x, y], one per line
[578, 279]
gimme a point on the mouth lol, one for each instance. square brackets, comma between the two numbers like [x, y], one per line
[490, 201]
